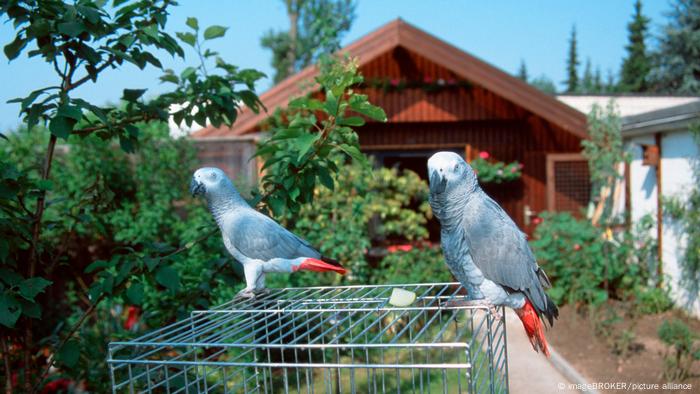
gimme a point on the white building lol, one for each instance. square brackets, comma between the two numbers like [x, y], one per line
[663, 155]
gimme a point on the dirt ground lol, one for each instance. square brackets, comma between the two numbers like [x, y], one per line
[573, 337]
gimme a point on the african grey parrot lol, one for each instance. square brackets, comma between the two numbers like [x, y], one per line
[255, 240]
[485, 250]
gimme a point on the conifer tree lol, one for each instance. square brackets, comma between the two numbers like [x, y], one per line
[572, 64]
[677, 63]
[637, 64]
[522, 71]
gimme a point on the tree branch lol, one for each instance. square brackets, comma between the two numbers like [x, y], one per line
[86, 78]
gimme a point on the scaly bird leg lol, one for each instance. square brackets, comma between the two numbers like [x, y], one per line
[252, 271]
[480, 302]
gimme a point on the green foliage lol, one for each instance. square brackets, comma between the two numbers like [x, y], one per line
[572, 63]
[545, 84]
[495, 171]
[522, 71]
[86, 205]
[364, 210]
[590, 265]
[676, 65]
[604, 150]
[301, 151]
[417, 265]
[652, 300]
[685, 210]
[316, 28]
[637, 64]
[683, 349]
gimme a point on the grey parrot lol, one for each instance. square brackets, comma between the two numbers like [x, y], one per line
[259, 243]
[485, 250]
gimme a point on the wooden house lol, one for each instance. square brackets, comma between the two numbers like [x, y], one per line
[437, 97]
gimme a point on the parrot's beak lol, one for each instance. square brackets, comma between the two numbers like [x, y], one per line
[438, 183]
[196, 187]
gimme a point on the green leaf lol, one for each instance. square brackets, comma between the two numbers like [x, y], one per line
[186, 73]
[353, 121]
[325, 177]
[135, 293]
[214, 32]
[95, 265]
[30, 309]
[133, 94]
[331, 103]
[187, 38]
[29, 288]
[70, 111]
[69, 353]
[71, 29]
[353, 152]
[363, 107]
[304, 142]
[10, 309]
[193, 23]
[13, 49]
[168, 277]
[61, 126]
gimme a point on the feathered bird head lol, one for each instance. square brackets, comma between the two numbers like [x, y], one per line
[211, 182]
[448, 170]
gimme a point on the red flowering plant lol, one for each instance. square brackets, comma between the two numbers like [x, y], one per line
[490, 171]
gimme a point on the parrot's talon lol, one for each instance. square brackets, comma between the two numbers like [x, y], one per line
[246, 293]
[261, 292]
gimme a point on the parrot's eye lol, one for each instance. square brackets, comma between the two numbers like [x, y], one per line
[456, 166]
[212, 176]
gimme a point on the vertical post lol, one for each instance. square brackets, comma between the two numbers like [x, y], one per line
[659, 213]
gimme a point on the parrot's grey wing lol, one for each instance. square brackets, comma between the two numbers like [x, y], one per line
[261, 238]
[503, 255]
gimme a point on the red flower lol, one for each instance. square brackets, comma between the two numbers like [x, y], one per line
[484, 155]
[513, 169]
[428, 79]
[396, 248]
[132, 318]
[451, 81]
[520, 165]
[577, 247]
[537, 220]
[394, 82]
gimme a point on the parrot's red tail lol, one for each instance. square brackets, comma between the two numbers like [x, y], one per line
[533, 327]
[317, 265]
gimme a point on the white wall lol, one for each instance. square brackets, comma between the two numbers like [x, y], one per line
[678, 150]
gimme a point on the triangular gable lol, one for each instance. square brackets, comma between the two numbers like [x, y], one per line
[399, 33]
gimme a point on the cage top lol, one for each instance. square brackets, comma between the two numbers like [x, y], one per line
[334, 302]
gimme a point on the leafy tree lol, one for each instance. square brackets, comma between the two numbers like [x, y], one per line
[315, 28]
[572, 63]
[544, 84]
[637, 64]
[676, 64]
[522, 71]
[80, 41]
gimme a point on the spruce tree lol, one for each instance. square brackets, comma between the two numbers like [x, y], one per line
[587, 83]
[522, 71]
[572, 64]
[597, 81]
[637, 64]
[677, 63]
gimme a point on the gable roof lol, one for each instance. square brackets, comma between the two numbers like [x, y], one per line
[399, 33]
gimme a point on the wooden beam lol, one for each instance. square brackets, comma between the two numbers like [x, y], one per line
[659, 214]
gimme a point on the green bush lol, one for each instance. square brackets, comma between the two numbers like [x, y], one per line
[417, 265]
[682, 349]
[590, 265]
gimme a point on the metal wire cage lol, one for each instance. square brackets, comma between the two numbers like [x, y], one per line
[345, 339]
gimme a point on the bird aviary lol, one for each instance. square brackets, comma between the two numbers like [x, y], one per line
[345, 339]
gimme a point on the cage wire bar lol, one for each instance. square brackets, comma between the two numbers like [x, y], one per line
[345, 339]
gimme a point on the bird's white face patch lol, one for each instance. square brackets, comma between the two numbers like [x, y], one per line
[209, 178]
[445, 167]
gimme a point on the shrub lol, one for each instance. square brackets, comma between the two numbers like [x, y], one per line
[682, 349]
[588, 264]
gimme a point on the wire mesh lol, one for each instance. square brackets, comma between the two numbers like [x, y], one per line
[346, 339]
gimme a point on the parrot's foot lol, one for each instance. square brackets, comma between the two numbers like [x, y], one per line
[246, 293]
[480, 302]
[261, 292]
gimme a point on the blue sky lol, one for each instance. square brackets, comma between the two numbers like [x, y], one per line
[499, 32]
